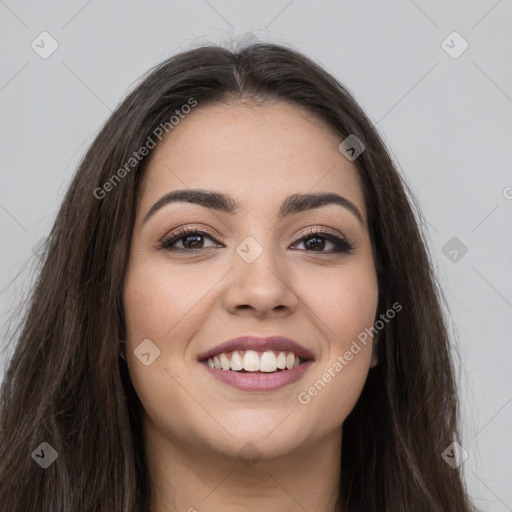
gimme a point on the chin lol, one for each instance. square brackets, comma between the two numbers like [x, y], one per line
[276, 435]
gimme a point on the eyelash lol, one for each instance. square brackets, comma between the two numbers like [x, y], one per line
[343, 246]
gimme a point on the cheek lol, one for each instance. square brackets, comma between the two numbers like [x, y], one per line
[344, 303]
[155, 303]
[344, 311]
[163, 306]
[357, 303]
[157, 300]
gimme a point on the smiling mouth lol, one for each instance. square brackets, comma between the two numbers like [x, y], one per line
[252, 361]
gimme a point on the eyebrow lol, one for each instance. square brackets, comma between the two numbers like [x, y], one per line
[219, 201]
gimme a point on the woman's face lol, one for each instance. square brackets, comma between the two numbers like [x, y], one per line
[249, 273]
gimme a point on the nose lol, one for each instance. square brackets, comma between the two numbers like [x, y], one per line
[260, 288]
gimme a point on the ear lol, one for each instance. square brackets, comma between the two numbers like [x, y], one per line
[375, 345]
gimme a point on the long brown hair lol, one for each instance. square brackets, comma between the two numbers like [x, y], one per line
[67, 386]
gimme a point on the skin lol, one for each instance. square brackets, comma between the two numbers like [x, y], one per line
[186, 303]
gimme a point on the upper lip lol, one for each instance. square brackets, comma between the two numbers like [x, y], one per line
[250, 342]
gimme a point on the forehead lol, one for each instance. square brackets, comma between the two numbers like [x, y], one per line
[255, 153]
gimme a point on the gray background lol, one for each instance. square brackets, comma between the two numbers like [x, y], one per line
[446, 120]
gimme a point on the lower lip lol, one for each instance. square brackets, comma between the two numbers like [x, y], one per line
[259, 381]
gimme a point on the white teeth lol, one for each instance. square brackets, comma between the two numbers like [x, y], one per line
[253, 361]
[268, 362]
[236, 362]
[224, 361]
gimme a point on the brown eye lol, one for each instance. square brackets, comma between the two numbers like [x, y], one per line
[191, 240]
[316, 241]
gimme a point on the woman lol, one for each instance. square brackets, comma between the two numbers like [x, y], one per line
[236, 311]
